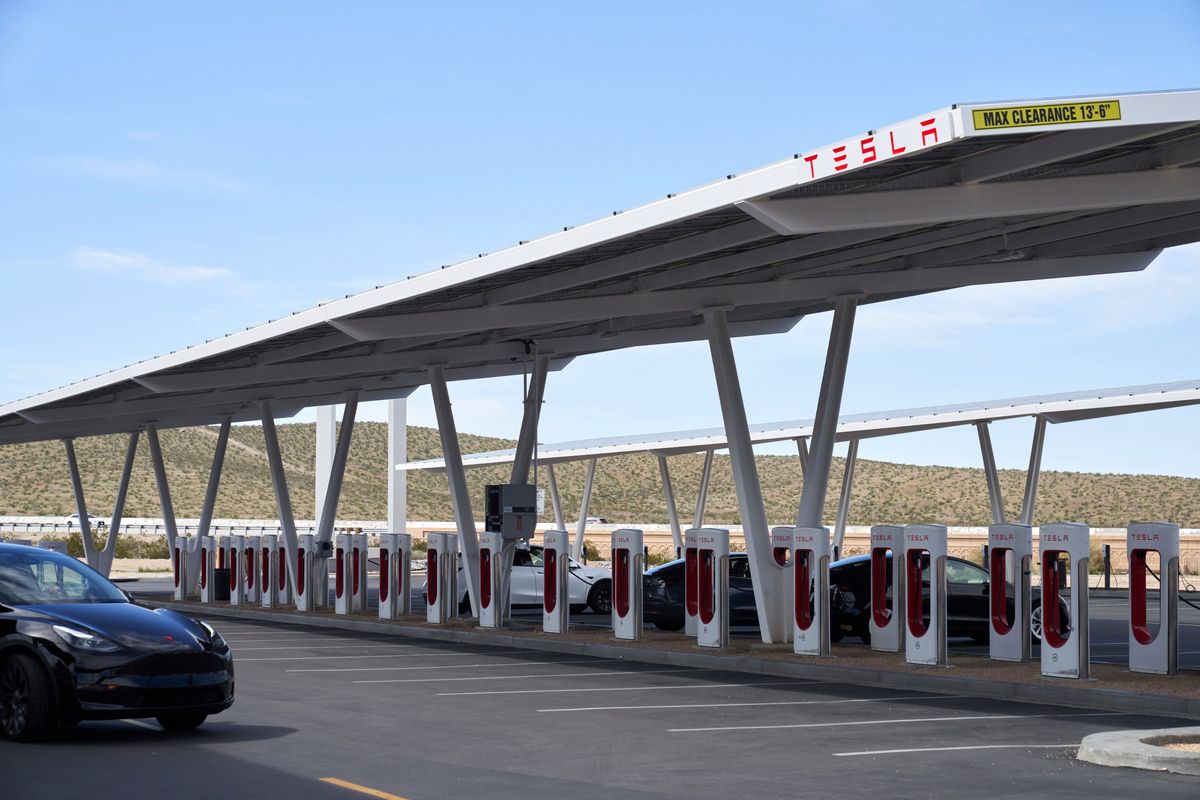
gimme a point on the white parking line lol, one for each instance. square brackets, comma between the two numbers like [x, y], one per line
[974, 717]
[642, 688]
[532, 677]
[764, 703]
[347, 646]
[963, 747]
[324, 658]
[452, 666]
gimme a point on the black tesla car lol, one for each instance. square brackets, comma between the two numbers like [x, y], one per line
[967, 600]
[75, 647]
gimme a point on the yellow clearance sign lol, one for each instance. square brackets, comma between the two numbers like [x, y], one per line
[1048, 114]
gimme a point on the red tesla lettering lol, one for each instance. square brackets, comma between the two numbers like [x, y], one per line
[839, 158]
[895, 150]
[867, 146]
[812, 167]
[927, 131]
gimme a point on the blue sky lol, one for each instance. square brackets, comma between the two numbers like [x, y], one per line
[172, 172]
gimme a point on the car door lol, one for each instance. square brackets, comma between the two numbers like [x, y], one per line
[526, 579]
[968, 585]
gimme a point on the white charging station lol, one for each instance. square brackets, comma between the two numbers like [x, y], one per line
[208, 564]
[691, 578]
[360, 556]
[712, 587]
[628, 565]
[268, 570]
[179, 567]
[556, 599]
[252, 589]
[925, 553]
[782, 542]
[395, 575]
[492, 588]
[887, 588]
[283, 589]
[234, 560]
[1155, 652]
[441, 579]
[343, 563]
[810, 591]
[305, 562]
[1066, 651]
[1010, 553]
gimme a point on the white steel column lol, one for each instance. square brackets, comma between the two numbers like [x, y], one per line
[581, 525]
[843, 512]
[995, 498]
[669, 498]
[164, 489]
[468, 537]
[802, 451]
[337, 471]
[397, 454]
[85, 527]
[1035, 471]
[283, 499]
[527, 438]
[555, 499]
[816, 483]
[702, 492]
[768, 576]
[114, 524]
[326, 432]
[210, 504]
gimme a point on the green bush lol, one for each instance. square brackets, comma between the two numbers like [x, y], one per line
[590, 552]
[420, 546]
[656, 557]
[127, 546]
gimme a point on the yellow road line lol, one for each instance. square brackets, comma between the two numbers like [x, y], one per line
[367, 790]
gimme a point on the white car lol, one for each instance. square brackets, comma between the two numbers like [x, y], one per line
[93, 521]
[589, 587]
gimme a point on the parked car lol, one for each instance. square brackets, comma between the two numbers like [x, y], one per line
[588, 587]
[75, 647]
[967, 601]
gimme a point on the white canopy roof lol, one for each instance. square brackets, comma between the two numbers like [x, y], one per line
[1055, 408]
[969, 194]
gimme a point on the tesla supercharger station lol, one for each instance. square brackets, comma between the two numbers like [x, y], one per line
[628, 564]
[305, 562]
[359, 567]
[208, 564]
[1065, 647]
[887, 612]
[395, 575]
[179, 567]
[252, 586]
[556, 599]
[712, 587]
[1153, 652]
[1010, 552]
[925, 552]
[268, 570]
[441, 579]
[781, 551]
[235, 561]
[492, 589]
[343, 564]
[810, 591]
[691, 601]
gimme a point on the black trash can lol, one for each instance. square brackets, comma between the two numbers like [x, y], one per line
[221, 584]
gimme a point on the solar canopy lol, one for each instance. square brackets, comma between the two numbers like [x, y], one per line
[969, 194]
[1054, 408]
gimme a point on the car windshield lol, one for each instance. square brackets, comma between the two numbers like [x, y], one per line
[30, 577]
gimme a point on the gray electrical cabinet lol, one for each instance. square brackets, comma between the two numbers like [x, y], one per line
[510, 510]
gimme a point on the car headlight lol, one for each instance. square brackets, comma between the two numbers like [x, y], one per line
[213, 636]
[84, 640]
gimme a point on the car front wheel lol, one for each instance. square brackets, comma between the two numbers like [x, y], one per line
[26, 705]
[180, 721]
[1035, 622]
[600, 597]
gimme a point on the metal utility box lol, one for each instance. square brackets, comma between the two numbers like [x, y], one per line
[510, 510]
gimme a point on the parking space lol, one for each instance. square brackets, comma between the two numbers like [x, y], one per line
[414, 718]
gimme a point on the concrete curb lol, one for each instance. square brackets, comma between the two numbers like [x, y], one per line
[935, 682]
[1143, 750]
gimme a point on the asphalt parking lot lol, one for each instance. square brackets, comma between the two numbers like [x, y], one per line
[334, 714]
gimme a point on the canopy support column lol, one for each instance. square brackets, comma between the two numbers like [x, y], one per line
[210, 504]
[283, 498]
[460, 500]
[768, 576]
[337, 471]
[669, 497]
[843, 513]
[555, 499]
[85, 527]
[581, 525]
[995, 498]
[527, 439]
[114, 524]
[326, 432]
[397, 510]
[164, 489]
[1035, 471]
[816, 483]
[702, 492]
[802, 451]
